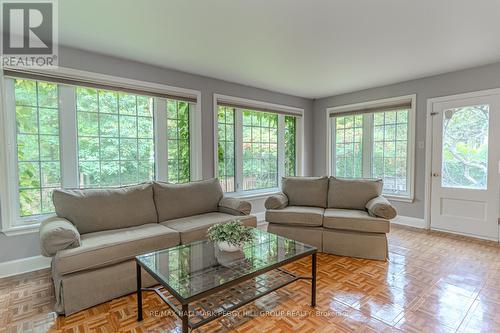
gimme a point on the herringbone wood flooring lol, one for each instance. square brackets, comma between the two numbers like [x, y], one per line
[433, 282]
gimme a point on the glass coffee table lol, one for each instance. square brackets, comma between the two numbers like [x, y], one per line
[200, 283]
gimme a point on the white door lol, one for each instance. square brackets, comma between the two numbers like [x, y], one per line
[465, 193]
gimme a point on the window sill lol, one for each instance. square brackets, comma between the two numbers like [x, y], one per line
[397, 198]
[21, 229]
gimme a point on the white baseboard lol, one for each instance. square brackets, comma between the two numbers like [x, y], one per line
[409, 221]
[24, 265]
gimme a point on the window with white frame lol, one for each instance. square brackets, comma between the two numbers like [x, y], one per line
[115, 138]
[112, 137]
[178, 141]
[375, 140]
[255, 147]
[37, 137]
[260, 150]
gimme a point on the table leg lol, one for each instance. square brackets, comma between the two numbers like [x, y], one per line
[313, 280]
[185, 317]
[139, 292]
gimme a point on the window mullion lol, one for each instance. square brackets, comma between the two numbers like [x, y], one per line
[281, 147]
[10, 199]
[160, 135]
[367, 145]
[68, 136]
[238, 153]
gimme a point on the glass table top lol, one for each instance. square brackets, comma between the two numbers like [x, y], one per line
[194, 268]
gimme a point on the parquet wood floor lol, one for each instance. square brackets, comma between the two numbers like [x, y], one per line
[433, 282]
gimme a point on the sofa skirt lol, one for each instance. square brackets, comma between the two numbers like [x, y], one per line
[364, 245]
[82, 290]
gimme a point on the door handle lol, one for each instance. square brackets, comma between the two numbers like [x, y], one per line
[435, 174]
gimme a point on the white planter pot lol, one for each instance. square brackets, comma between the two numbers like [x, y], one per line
[225, 246]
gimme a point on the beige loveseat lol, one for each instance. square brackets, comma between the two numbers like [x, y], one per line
[338, 216]
[97, 233]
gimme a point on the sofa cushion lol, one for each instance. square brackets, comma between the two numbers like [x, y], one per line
[355, 220]
[195, 227]
[352, 193]
[104, 248]
[92, 210]
[175, 201]
[296, 215]
[306, 191]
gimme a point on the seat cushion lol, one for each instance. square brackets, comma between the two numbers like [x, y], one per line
[296, 215]
[174, 201]
[306, 191]
[104, 248]
[195, 227]
[352, 193]
[92, 210]
[354, 220]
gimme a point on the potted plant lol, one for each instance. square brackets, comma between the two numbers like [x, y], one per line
[230, 236]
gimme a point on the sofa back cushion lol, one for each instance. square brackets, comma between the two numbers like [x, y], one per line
[306, 191]
[352, 193]
[174, 201]
[92, 210]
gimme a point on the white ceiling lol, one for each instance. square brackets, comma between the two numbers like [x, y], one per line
[309, 48]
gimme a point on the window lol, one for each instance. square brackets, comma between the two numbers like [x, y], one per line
[225, 148]
[348, 146]
[390, 146]
[255, 147]
[375, 142]
[260, 150]
[115, 138]
[178, 142]
[465, 147]
[38, 162]
[290, 146]
[112, 137]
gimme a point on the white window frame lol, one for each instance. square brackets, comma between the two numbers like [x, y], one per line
[367, 142]
[238, 133]
[11, 222]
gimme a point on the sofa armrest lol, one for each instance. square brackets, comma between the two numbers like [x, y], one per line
[234, 206]
[381, 207]
[57, 233]
[276, 201]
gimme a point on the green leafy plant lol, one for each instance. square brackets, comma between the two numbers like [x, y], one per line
[233, 233]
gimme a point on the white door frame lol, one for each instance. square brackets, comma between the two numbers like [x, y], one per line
[428, 142]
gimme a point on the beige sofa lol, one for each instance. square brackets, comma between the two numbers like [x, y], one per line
[338, 216]
[97, 233]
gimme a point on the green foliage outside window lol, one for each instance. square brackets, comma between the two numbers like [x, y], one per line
[178, 141]
[290, 145]
[115, 138]
[260, 150]
[225, 149]
[38, 156]
[465, 147]
[390, 145]
[349, 146]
